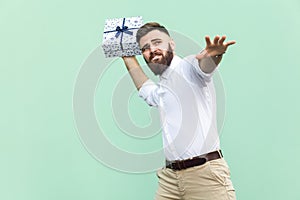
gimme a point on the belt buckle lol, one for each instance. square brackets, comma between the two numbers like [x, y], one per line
[177, 165]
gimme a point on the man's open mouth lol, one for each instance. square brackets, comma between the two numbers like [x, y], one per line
[156, 58]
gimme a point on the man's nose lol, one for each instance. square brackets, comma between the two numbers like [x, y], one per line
[153, 48]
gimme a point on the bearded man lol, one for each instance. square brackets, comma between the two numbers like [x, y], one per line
[185, 96]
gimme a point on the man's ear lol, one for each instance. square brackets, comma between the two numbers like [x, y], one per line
[172, 44]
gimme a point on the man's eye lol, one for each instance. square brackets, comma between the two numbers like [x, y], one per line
[144, 49]
[157, 42]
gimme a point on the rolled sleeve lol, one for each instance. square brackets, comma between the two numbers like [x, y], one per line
[196, 68]
[148, 92]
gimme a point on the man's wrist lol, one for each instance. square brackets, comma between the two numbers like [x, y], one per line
[128, 58]
[219, 55]
[131, 62]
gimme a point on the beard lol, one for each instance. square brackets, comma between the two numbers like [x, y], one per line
[159, 60]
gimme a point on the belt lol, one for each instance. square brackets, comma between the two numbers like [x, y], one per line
[195, 161]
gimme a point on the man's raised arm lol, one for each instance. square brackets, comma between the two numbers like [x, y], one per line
[137, 74]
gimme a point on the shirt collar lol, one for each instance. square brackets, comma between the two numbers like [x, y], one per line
[175, 61]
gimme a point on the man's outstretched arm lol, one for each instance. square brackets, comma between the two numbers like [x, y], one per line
[137, 74]
[211, 56]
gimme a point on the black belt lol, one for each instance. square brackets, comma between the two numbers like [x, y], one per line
[195, 161]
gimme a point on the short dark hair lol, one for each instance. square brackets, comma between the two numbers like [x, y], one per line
[148, 27]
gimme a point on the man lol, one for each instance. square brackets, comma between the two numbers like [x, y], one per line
[195, 168]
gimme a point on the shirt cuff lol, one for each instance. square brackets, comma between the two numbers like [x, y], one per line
[146, 88]
[147, 92]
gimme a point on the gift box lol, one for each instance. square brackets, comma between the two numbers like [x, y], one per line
[119, 37]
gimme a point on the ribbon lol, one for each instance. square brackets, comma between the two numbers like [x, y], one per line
[122, 30]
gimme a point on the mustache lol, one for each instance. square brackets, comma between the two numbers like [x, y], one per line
[153, 54]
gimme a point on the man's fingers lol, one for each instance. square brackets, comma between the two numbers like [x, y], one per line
[216, 39]
[230, 43]
[222, 39]
[215, 47]
[207, 39]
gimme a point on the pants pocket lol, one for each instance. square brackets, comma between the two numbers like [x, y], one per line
[220, 172]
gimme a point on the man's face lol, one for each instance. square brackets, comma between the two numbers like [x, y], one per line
[157, 48]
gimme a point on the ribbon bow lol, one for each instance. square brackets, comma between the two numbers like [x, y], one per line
[124, 29]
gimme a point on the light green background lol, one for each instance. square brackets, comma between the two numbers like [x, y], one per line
[44, 43]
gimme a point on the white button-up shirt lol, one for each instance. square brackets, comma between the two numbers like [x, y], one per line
[186, 99]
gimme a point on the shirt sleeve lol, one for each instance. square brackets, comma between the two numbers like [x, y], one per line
[196, 68]
[149, 92]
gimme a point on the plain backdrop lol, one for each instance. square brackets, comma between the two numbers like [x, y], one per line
[43, 45]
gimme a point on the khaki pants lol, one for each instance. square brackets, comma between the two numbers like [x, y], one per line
[210, 181]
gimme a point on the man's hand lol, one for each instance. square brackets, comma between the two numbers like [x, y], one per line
[215, 48]
[211, 56]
